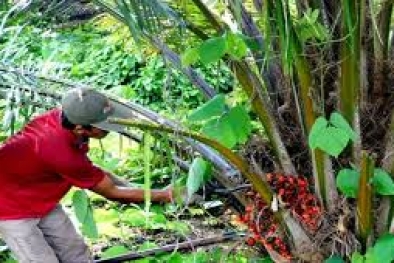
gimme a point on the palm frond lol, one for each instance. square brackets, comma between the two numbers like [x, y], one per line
[143, 16]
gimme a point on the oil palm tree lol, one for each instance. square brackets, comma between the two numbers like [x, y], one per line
[312, 68]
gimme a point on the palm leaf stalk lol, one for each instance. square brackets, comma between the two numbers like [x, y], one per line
[253, 87]
[292, 230]
[350, 67]
[364, 199]
[261, 186]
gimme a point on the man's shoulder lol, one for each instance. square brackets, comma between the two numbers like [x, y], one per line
[44, 128]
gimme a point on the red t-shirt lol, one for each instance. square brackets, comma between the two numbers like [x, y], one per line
[39, 165]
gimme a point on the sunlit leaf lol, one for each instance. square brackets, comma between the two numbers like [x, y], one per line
[220, 130]
[317, 128]
[190, 56]
[147, 245]
[339, 121]
[236, 46]
[80, 201]
[196, 176]
[114, 251]
[213, 108]
[134, 217]
[240, 122]
[179, 227]
[333, 141]
[89, 227]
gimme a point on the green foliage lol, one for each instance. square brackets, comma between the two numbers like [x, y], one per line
[357, 258]
[80, 203]
[383, 182]
[114, 251]
[214, 49]
[199, 256]
[190, 56]
[381, 252]
[226, 125]
[348, 182]
[6, 254]
[84, 213]
[199, 172]
[331, 136]
[213, 108]
[237, 46]
[334, 259]
[309, 27]
[91, 55]
[135, 217]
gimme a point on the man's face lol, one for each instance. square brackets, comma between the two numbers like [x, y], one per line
[96, 133]
[90, 132]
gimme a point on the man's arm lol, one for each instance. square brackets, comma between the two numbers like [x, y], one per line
[118, 181]
[107, 188]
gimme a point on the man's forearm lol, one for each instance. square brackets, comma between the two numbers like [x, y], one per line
[137, 195]
[109, 190]
[118, 181]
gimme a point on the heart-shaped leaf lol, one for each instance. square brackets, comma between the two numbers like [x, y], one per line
[339, 121]
[318, 127]
[333, 140]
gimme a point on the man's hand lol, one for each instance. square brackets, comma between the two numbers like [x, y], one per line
[169, 190]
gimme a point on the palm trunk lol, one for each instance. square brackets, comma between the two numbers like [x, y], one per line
[381, 40]
[350, 68]
[253, 87]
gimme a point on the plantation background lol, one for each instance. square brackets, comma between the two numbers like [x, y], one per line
[276, 116]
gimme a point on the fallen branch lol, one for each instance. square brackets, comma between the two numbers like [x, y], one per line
[172, 247]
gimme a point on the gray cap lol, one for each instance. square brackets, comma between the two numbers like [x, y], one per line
[85, 106]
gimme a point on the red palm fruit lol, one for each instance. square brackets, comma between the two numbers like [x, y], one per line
[269, 177]
[250, 241]
[281, 179]
[249, 208]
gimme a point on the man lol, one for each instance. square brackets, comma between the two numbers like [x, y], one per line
[42, 162]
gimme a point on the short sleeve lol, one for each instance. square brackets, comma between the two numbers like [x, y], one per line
[73, 165]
